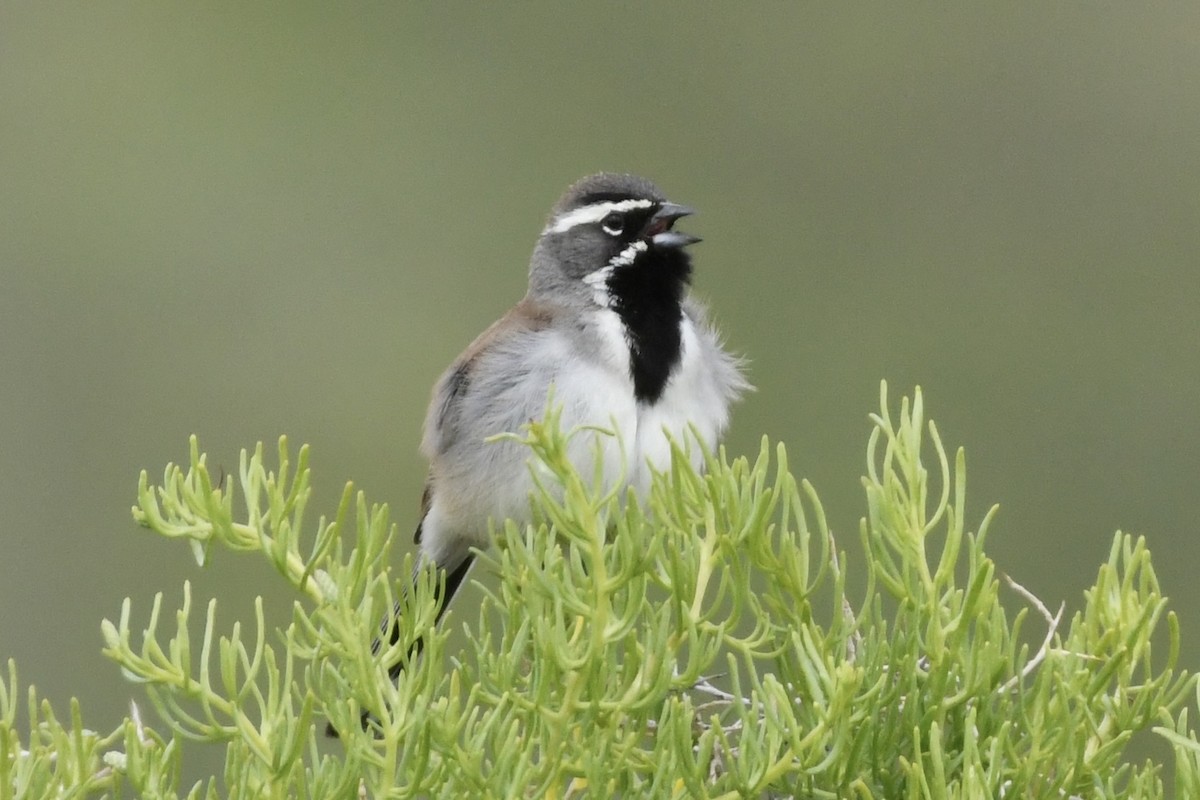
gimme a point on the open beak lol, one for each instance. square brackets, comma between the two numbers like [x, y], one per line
[659, 232]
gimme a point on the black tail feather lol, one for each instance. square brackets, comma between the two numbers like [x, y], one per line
[454, 580]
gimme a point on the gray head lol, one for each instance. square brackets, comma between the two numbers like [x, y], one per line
[605, 223]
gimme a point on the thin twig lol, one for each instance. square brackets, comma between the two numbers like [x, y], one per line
[703, 686]
[1052, 628]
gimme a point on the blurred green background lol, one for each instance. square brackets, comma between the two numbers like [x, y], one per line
[247, 220]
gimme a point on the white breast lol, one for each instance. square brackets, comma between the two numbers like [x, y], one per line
[599, 392]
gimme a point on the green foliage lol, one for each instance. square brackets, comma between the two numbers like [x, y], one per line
[698, 644]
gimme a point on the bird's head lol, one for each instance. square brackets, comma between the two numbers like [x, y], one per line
[605, 225]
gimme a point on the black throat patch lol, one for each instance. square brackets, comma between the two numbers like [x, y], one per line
[648, 295]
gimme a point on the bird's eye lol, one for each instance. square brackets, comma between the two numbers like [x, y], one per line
[613, 224]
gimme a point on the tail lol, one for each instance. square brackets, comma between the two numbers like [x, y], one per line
[454, 579]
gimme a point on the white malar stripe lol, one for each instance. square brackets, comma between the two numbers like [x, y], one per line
[627, 256]
[598, 279]
[593, 213]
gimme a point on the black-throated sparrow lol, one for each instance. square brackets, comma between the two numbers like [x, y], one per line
[608, 324]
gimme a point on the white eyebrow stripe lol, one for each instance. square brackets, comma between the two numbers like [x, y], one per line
[592, 213]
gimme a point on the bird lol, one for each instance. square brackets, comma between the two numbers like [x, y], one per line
[607, 326]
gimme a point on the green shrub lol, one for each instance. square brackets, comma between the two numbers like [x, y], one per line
[699, 644]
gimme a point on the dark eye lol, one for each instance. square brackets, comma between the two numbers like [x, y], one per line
[613, 224]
